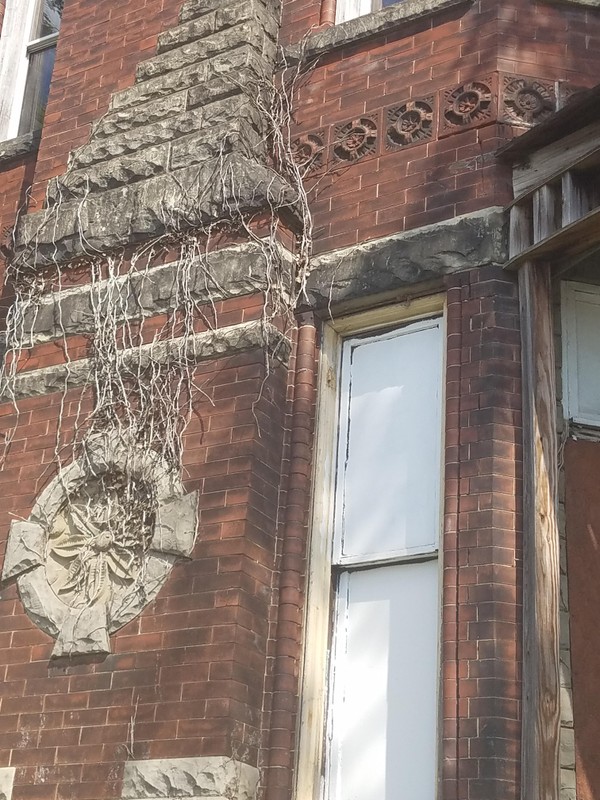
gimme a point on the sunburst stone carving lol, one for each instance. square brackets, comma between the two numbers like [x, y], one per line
[410, 122]
[99, 538]
[355, 139]
[99, 543]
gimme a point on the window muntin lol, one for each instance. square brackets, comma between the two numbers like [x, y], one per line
[581, 353]
[27, 50]
[350, 9]
[384, 668]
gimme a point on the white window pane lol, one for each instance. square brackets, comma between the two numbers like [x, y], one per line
[350, 9]
[588, 356]
[582, 352]
[387, 497]
[384, 685]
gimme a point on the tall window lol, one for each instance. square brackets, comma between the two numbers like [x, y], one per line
[27, 50]
[381, 698]
[350, 9]
[581, 352]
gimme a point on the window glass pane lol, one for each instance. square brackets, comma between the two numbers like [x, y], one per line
[588, 354]
[389, 461]
[37, 88]
[384, 674]
[350, 9]
[48, 17]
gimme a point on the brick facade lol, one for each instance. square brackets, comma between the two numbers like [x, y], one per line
[211, 667]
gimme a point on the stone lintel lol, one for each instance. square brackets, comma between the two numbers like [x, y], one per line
[19, 147]
[404, 260]
[218, 343]
[216, 777]
[368, 25]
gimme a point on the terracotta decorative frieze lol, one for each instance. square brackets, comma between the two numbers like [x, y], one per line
[471, 104]
[308, 151]
[355, 139]
[526, 101]
[409, 122]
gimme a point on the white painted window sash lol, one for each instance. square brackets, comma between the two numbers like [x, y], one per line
[351, 9]
[16, 46]
[14, 61]
[310, 777]
[575, 298]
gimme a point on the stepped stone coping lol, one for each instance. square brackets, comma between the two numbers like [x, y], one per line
[197, 150]
[185, 147]
[185, 198]
[196, 8]
[242, 58]
[206, 346]
[248, 33]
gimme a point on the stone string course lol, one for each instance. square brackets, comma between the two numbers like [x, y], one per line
[212, 344]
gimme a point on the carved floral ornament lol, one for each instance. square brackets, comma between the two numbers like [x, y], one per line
[527, 101]
[355, 139]
[410, 122]
[469, 104]
[99, 544]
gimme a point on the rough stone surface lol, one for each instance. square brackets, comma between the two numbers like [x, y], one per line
[230, 272]
[197, 8]
[402, 260]
[18, 147]
[151, 163]
[7, 777]
[112, 219]
[203, 49]
[84, 629]
[203, 346]
[216, 777]
[25, 548]
[83, 632]
[42, 605]
[176, 519]
[361, 28]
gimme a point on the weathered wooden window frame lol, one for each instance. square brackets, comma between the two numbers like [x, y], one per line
[570, 291]
[319, 606]
[16, 46]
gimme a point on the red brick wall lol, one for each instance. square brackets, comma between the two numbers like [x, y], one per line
[15, 179]
[190, 671]
[99, 48]
[389, 191]
[482, 549]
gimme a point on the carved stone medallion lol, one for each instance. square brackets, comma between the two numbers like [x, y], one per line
[527, 101]
[307, 151]
[355, 139]
[410, 122]
[99, 544]
[471, 104]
